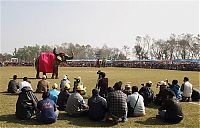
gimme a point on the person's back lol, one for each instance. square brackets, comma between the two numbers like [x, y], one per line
[187, 92]
[73, 104]
[13, 85]
[102, 84]
[176, 89]
[26, 103]
[97, 106]
[136, 103]
[76, 105]
[54, 93]
[63, 97]
[43, 85]
[147, 94]
[46, 110]
[24, 83]
[117, 102]
[173, 111]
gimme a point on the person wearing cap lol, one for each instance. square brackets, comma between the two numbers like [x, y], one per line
[43, 85]
[76, 105]
[127, 89]
[162, 95]
[97, 106]
[54, 93]
[63, 97]
[147, 93]
[25, 83]
[135, 103]
[186, 89]
[78, 82]
[64, 81]
[13, 85]
[170, 111]
[46, 110]
[117, 104]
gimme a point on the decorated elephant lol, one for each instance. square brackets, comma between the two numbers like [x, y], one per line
[48, 62]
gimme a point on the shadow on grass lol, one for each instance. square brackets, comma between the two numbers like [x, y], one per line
[152, 121]
[80, 121]
[83, 121]
[11, 118]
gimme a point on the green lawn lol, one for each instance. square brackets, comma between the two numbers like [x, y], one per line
[89, 77]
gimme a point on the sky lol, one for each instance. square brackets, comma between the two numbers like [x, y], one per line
[114, 23]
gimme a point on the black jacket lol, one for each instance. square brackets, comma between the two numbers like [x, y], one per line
[26, 103]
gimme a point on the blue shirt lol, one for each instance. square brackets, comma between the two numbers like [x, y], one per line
[47, 110]
[54, 95]
[176, 90]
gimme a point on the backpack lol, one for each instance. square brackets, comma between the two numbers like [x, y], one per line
[147, 94]
[195, 95]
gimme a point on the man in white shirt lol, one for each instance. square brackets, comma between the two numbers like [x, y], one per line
[186, 89]
[135, 103]
[24, 83]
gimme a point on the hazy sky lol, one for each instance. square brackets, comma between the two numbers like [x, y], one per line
[115, 23]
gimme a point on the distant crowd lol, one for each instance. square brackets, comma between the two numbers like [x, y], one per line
[185, 66]
[115, 104]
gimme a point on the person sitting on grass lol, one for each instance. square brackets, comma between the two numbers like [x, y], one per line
[54, 93]
[26, 103]
[13, 85]
[63, 97]
[64, 81]
[176, 89]
[135, 104]
[186, 88]
[147, 93]
[46, 110]
[43, 85]
[97, 106]
[25, 83]
[127, 89]
[117, 104]
[76, 105]
[171, 110]
[162, 95]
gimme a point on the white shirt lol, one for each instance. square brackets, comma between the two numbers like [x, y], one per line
[139, 108]
[187, 92]
[24, 84]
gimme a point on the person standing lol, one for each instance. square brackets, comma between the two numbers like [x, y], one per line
[102, 84]
[46, 110]
[13, 85]
[135, 103]
[97, 106]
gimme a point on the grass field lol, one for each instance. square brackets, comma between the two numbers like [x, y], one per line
[135, 76]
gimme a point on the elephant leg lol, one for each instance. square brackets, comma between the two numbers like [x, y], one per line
[38, 74]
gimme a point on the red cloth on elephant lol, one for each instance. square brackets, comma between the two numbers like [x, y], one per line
[46, 60]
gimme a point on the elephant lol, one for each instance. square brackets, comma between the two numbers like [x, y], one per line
[48, 62]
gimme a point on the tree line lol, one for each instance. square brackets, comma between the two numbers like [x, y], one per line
[184, 46]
